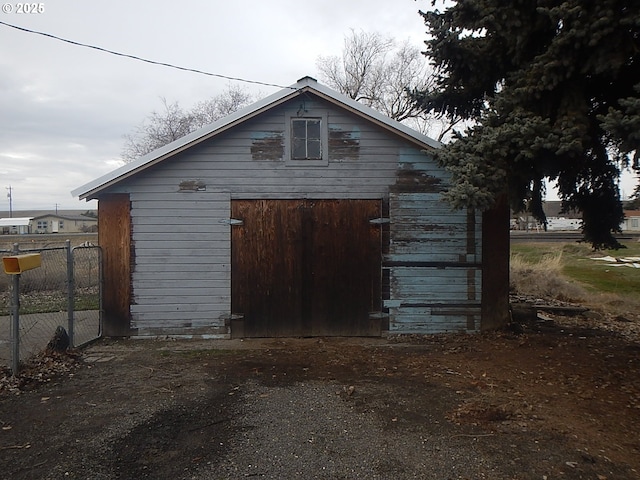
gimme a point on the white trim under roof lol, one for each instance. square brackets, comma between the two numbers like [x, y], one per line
[306, 84]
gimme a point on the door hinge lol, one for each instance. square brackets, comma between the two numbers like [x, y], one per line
[232, 221]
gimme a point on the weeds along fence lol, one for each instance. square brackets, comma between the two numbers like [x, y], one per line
[64, 291]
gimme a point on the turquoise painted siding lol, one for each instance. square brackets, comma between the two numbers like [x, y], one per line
[434, 257]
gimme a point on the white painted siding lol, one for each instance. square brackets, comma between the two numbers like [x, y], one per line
[181, 279]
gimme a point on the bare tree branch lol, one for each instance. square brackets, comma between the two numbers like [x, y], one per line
[172, 123]
[379, 73]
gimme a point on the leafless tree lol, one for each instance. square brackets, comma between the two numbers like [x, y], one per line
[380, 73]
[208, 111]
[172, 122]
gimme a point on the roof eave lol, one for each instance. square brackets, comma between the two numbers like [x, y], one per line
[91, 190]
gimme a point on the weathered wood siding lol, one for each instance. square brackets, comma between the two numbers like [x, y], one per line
[114, 237]
[181, 208]
[434, 258]
[307, 267]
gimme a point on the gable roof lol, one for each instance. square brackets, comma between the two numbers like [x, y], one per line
[304, 85]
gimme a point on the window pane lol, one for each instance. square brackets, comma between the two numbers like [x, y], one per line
[299, 128]
[313, 149]
[313, 129]
[299, 149]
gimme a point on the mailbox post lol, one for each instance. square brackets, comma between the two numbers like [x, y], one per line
[14, 265]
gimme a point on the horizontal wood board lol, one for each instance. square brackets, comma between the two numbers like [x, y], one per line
[434, 257]
[181, 279]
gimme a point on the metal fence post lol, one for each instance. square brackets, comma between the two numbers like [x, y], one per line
[71, 290]
[15, 319]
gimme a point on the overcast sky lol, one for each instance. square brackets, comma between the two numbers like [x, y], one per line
[64, 109]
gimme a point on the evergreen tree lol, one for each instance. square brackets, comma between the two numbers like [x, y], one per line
[554, 89]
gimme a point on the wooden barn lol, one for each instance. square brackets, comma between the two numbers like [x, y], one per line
[304, 214]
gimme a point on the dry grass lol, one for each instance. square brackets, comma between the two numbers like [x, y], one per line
[543, 278]
[567, 272]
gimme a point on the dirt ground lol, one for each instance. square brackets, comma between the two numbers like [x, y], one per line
[558, 400]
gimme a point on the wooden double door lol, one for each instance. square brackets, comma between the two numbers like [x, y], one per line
[306, 267]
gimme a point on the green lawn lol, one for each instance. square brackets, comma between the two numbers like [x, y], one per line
[577, 265]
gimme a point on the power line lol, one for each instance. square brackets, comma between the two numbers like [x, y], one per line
[153, 62]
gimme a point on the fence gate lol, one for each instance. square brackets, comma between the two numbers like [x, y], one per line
[64, 291]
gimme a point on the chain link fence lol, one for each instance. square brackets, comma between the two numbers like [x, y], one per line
[65, 291]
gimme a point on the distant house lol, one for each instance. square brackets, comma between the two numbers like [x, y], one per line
[631, 221]
[48, 222]
[304, 214]
[15, 225]
[52, 223]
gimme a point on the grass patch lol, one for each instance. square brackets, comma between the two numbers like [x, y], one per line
[567, 271]
[47, 302]
[603, 276]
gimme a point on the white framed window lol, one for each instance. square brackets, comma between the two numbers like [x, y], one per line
[306, 139]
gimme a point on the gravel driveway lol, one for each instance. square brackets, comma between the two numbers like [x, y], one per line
[442, 407]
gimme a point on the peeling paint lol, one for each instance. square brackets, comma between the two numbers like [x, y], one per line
[267, 146]
[344, 145]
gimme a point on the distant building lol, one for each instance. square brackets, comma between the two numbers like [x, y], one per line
[15, 225]
[562, 223]
[631, 221]
[39, 221]
[557, 219]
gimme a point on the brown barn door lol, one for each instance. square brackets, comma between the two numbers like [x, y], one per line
[306, 267]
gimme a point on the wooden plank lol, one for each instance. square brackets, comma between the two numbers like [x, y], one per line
[427, 259]
[153, 228]
[167, 294]
[170, 272]
[306, 267]
[413, 286]
[181, 262]
[114, 236]
[267, 276]
[188, 283]
[151, 236]
[195, 276]
[425, 216]
[186, 253]
[430, 326]
[345, 281]
[213, 310]
[173, 318]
